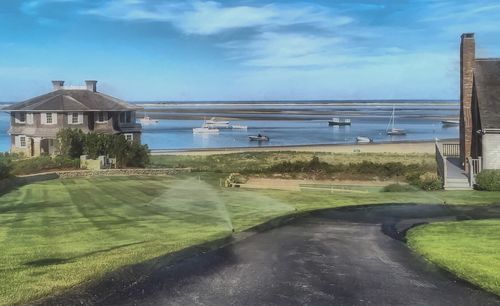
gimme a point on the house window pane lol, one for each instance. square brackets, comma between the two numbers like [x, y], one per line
[74, 118]
[122, 117]
[22, 141]
[100, 117]
[129, 117]
[49, 117]
[22, 117]
[129, 137]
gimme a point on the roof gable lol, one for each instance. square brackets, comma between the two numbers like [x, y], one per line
[487, 86]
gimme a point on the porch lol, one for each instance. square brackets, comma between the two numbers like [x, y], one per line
[454, 175]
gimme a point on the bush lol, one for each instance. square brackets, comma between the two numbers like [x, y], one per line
[398, 188]
[43, 163]
[5, 168]
[488, 180]
[429, 181]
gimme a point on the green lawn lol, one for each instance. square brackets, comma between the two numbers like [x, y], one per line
[469, 249]
[61, 233]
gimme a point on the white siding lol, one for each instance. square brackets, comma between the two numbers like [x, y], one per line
[491, 151]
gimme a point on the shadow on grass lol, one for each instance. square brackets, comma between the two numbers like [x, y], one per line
[57, 261]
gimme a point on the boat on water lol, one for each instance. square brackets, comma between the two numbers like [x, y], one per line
[450, 122]
[339, 122]
[239, 127]
[259, 137]
[363, 139]
[392, 131]
[147, 120]
[205, 130]
[214, 123]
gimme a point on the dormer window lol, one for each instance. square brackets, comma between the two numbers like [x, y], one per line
[74, 118]
[48, 119]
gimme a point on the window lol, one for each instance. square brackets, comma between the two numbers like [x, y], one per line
[74, 118]
[22, 141]
[125, 117]
[102, 117]
[48, 118]
[20, 117]
[129, 137]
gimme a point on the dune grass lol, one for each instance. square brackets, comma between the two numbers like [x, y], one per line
[469, 249]
[62, 233]
[255, 162]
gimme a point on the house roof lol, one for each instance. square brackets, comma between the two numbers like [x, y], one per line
[72, 100]
[487, 85]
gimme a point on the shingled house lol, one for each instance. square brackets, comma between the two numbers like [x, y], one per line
[479, 145]
[35, 122]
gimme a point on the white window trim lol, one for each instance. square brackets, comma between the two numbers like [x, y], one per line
[29, 118]
[19, 143]
[131, 136]
[44, 118]
[70, 118]
[105, 116]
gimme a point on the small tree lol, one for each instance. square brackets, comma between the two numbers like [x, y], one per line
[138, 155]
[71, 142]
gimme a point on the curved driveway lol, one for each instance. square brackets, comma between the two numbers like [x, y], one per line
[337, 257]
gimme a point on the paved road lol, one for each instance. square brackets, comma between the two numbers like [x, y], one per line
[332, 258]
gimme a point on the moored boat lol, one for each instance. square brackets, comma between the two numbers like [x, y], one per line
[214, 123]
[147, 120]
[363, 139]
[239, 127]
[205, 130]
[394, 131]
[339, 121]
[450, 122]
[259, 138]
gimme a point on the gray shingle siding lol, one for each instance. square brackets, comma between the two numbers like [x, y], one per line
[491, 151]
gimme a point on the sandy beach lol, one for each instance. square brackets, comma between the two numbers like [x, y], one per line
[400, 147]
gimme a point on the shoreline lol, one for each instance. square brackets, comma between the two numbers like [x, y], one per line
[401, 147]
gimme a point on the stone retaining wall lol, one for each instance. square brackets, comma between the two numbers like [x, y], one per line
[122, 172]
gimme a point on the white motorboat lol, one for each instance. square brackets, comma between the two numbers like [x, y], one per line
[392, 131]
[239, 127]
[147, 120]
[450, 122]
[363, 139]
[259, 138]
[205, 130]
[214, 123]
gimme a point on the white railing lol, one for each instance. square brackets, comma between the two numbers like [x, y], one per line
[441, 164]
[475, 166]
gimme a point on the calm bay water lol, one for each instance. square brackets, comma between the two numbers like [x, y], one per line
[287, 123]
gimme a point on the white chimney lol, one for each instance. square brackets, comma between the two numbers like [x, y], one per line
[58, 85]
[91, 85]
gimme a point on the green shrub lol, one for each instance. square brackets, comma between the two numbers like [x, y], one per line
[5, 168]
[398, 188]
[43, 163]
[429, 181]
[488, 180]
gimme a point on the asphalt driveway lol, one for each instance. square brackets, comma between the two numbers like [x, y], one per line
[336, 257]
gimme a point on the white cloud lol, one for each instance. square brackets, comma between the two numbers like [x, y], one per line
[31, 7]
[210, 17]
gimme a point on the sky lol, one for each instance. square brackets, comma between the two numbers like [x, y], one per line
[144, 50]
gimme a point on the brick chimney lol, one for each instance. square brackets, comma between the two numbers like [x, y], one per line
[467, 60]
[91, 85]
[57, 85]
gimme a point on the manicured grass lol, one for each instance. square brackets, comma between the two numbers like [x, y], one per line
[62, 233]
[469, 249]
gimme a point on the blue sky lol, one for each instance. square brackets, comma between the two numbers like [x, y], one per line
[242, 50]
